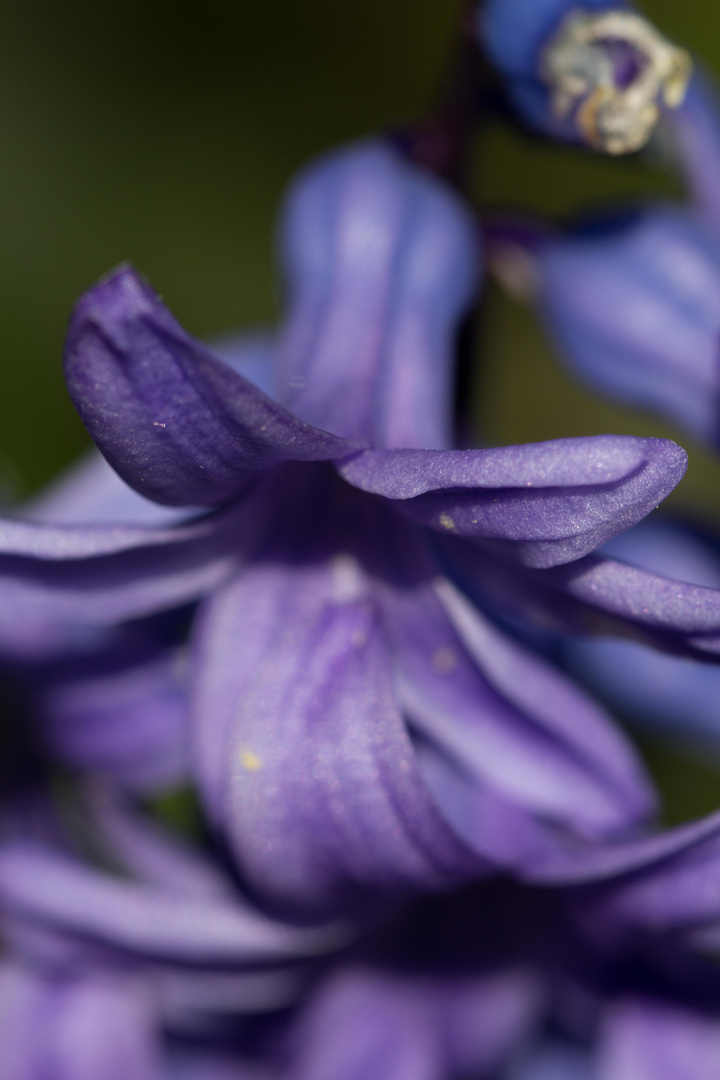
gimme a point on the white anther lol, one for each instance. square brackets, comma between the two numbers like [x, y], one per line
[578, 67]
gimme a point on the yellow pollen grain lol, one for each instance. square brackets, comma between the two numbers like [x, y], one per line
[447, 522]
[250, 761]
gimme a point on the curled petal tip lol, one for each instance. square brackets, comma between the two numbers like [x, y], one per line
[552, 502]
[177, 424]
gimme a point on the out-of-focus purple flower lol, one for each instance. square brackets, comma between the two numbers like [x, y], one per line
[634, 306]
[120, 711]
[110, 973]
[162, 964]
[696, 130]
[474, 983]
[584, 70]
[389, 1024]
[638, 1038]
[632, 300]
[667, 694]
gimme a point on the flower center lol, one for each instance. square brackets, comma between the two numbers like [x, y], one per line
[612, 72]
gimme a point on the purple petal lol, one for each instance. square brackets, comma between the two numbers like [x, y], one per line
[363, 1025]
[382, 260]
[130, 724]
[663, 692]
[301, 747]
[509, 720]
[52, 575]
[251, 354]
[669, 549]
[496, 827]
[644, 1039]
[79, 1028]
[72, 542]
[487, 1019]
[668, 609]
[696, 126]
[678, 892]
[152, 854]
[635, 310]
[195, 1001]
[660, 882]
[177, 424]
[377, 1024]
[555, 1060]
[596, 594]
[91, 493]
[48, 889]
[551, 502]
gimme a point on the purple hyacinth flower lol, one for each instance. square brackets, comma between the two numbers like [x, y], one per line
[166, 903]
[469, 985]
[358, 728]
[459, 986]
[588, 71]
[114, 701]
[112, 974]
[634, 306]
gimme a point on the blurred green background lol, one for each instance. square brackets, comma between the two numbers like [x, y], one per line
[164, 132]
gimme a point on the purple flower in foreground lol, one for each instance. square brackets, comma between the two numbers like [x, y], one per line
[359, 729]
[334, 629]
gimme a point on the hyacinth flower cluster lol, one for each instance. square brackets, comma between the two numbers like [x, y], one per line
[631, 301]
[422, 850]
